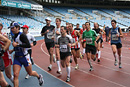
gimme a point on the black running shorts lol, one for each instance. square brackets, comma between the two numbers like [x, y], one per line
[49, 45]
[63, 55]
[90, 49]
[118, 45]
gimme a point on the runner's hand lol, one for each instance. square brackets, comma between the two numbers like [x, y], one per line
[14, 44]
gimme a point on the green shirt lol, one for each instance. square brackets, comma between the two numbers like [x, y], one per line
[90, 37]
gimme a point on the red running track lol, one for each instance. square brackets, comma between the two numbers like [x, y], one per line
[105, 74]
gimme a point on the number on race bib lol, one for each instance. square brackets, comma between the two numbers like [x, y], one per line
[50, 35]
[63, 48]
[89, 40]
[114, 37]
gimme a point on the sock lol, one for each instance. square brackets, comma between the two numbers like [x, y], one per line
[50, 65]
[12, 79]
[68, 69]
[115, 55]
[119, 59]
[99, 54]
[83, 50]
[58, 64]
[89, 63]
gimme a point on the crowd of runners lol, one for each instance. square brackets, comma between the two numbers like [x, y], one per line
[64, 44]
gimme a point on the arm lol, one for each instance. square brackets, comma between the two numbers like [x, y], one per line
[121, 34]
[6, 40]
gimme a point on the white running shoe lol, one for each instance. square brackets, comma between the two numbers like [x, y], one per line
[68, 79]
[49, 67]
[77, 67]
[91, 69]
[40, 79]
[27, 76]
[120, 66]
[115, 63]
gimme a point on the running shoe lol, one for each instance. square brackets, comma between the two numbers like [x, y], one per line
[120, 66]
[27, 76]
[49, 67]
[77, 67]
[59, 72]
[54, 58]
[68, 79]
[81, 57]
[91, 68]
[98, 60]
[115, 63]
[40, 79]
[94, 59]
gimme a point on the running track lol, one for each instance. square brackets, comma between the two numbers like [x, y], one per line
[105, 74]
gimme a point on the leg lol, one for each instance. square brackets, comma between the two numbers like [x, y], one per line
[51, 57]
[34, 73]
[114, 53]
[16, 70]
[8, 73]
[75, 58]
[88, 58]
[119, 54]
[58, 59]
[68, 68]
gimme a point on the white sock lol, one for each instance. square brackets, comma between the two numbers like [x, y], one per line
[58, 64]
[99, 54]
[50, 65]
[68, 69]
[83, 50]
[115, 55]
[89, 63]
[12, 79]
[120, 59]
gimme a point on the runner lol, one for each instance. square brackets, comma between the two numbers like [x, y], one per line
[77, 27]
[48, 33]
[7, 57]
[22, 56]
[32, 42]
[57, 33]
[98, 31]
[115, 34]
[65, 42]
[4, 48]
[81, 32]
[107, 29]
[75, 49]
[91, 38]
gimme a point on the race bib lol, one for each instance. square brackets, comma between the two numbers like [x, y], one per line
[89, 40]
[50, 35]
[114, 37]
[63, 48]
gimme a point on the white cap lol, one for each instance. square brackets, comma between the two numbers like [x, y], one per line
[48, 19]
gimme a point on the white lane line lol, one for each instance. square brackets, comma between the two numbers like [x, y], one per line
[92, 74]
[49, 73]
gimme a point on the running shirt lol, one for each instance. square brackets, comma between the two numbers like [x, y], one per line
[81, 31]
[97, 30]
[6, 57]
[56, 35]
[48, 35]
[63, 43]
[90, 37]
[21, 54]
[30, 38]
[78, 29]
[75, 38]
[114, 38]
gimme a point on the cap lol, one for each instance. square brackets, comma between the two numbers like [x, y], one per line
[13, 25]
[25, 26]
[48, 19]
